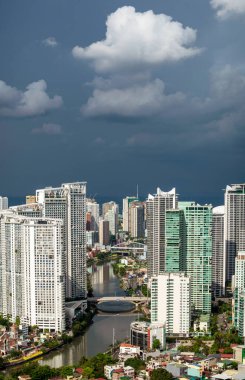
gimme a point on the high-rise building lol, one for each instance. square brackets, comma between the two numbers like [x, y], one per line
[93, 208]
[238, 286]
[32, 271]
[156, 207]
[112, 216]
[137, 219]
[175, 237]
[171, 302]
[3, 203]
[104, 233]
[126, 213]
[218, 289]
[68, 203]
[198, 230]
[234, 227]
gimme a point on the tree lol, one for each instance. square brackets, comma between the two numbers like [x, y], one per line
[161, 374]
[135, 363]
[156, 344]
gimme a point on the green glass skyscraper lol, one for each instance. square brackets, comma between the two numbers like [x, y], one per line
[198, 232]
[175, 241]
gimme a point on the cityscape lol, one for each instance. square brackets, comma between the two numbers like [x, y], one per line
[122, 190]
[181, 267]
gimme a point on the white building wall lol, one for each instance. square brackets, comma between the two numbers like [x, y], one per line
[170, 302]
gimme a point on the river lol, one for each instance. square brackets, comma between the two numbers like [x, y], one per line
[100, 334]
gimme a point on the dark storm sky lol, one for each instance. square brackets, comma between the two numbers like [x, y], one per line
[118, 93]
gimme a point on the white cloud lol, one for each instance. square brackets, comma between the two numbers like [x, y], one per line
[50, 41]
[141, 99]
[48, 129]
[135, 39]
[227, 8]
[31, 102]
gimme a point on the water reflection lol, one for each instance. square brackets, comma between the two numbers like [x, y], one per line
[100, 335]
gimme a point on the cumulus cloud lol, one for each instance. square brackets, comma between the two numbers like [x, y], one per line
[228, 8]
[141, 99]
[48, 129]
[31, 102]
[50, 42]
[137, 39]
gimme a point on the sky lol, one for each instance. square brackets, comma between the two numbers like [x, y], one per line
[119, 93]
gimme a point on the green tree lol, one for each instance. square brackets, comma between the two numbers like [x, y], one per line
[156, 344]
[161, 374]
[136, 363]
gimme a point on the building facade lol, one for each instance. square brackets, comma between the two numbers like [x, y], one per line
[32, 271]
[218, 289]
[234, 227]
[175, 238]
[171, 302]
[94, 209]
[156, 207]
[104, 233]
[3, 203]
[126, 212]
[68, 203]
[198, 230]
[137, 220]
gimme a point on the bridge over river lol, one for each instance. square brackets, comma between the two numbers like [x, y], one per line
[136, 300]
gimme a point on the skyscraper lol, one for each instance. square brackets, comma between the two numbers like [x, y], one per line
[137, 219]
[156, 207]
[3, 203]
[175, 237]
[126, 212]
[32, 271]
[104, 234]
[112, 216]
[198, 230]
[234, 227]
[171, 303]
[68, 203]
[239, 287]
[94, 209]
[218, 289]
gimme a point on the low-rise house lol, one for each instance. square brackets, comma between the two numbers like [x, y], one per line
[130, 349]
[176, 369]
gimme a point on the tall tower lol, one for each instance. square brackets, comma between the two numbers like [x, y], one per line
[137, 219]
[68, 203]
[171, 303]
[156, 207]
[94, 209]
[198, 226]
[218, 290]
[111, 215]
[126, 212]
[234, 227]
[32, 271]
[175, 238]
[3, 203]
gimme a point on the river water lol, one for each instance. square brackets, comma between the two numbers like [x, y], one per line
[100, 334]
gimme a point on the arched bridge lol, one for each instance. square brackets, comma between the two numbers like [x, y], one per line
[136, 300]
[130, 247]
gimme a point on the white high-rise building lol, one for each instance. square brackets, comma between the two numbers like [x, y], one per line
[126, 212]
[32, 271]
[94, 209]
[112, 216]
[171, 302]
[238, 289]
[137, 219]
[218, 289]
[234, 227]
[156, 206]
[3, 203]
[68, 203]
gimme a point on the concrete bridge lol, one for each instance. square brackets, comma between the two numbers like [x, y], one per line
[136, 300]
